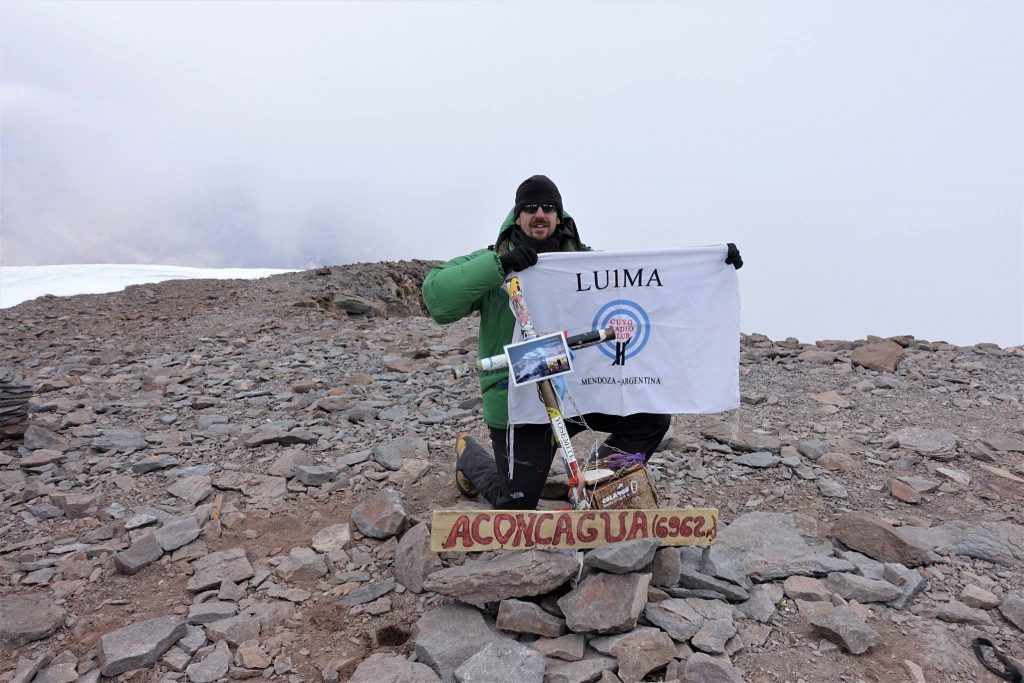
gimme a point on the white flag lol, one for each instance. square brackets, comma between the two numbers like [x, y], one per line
[676, 314]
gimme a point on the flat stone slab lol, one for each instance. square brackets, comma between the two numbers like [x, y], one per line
[414, 561]
[759, 460]
[842, 625]
[527, 617]
[741, 438]
[605, 603]
[996, 542]
[624, 557]
[503, 660]
[25, 618]
[139, 645]
[212, 667]
[334, 537]
[773, 545]
[231, 565]
[923, 440]
[449, 635]
[143, 552]
[638, 652]
[508, 575]
[382, 666]
[192, 490]
[177, 533]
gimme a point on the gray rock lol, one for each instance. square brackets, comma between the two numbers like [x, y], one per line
[205, 612]
[831, 488]
[956, 612]
[742, 439]
[314, 475]
[194, 638]
[175, 659]
[382, 667]
[724, 564]
[526, 617]
[28, 668]
[139, 645]
[605, 603]
[1012, 607]
[872, 569]
[209, 571]
[806, 588]
[996, 542]
[414, 561]
[391, 454]
[302, 564]
[235, 630]
[144, 551]
[666, 566]
[368, 593]
[702, 668]
[760, 460]
[331, 538]
[570, 648]
[42, 457]
[638, 652]
[152, 463]
[923, 440]
[119, 440]
[977, 597]
[812, 449]
[861, 588]
[910, 582]
[177, 533]
[212, 667]
[57, 673]
[677, 617]
[503, 660]
[449, 635]
[508, 575]
[624, 557]
[354, 458]
[842, 625]
[25, 618]
[382, 516]
[713, 635]
[280, 436]
[192, 490]
[773, 545]
[586, 670]
[40, 438]
[763, 600]
[689, 578]
[75, 505]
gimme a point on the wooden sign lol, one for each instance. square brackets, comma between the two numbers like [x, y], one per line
[479, 530]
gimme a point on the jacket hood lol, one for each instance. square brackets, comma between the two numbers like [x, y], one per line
[566, 229]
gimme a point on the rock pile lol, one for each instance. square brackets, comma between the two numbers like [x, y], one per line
[14, 398]
[224, 480]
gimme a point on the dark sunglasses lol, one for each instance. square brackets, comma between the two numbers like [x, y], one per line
[532, 208]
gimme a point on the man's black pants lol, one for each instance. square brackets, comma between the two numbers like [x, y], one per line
[534, 448]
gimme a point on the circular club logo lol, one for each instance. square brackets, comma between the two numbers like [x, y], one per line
[631, 324]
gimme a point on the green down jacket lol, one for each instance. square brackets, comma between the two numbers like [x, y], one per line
[474, 283]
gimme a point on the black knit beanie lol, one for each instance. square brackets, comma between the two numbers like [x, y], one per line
[538, 189]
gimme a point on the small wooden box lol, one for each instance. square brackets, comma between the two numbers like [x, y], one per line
[630, 488]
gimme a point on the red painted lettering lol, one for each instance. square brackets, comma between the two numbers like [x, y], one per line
[608, 535]
[639, 526]
[585, 532]
[698, 524]
[460, 531]
[541, 518]
[563, 528]
[503, 536]
[524, 531]
[684, 527]
[482, 540]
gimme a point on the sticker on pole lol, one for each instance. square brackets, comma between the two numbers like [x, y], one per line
[481, 530]
[538, 358]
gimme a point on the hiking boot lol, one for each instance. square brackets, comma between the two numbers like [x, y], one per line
[462, 482]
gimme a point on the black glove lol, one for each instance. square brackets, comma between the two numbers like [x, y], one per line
[733, 257]
[520, 258]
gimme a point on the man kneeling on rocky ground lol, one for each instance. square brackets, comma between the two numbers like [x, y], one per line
[537, 224]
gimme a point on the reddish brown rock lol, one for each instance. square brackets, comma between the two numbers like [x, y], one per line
[872, 536]
[884, 356]
[904, 492]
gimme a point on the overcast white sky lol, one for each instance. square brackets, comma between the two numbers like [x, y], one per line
[865, 156]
